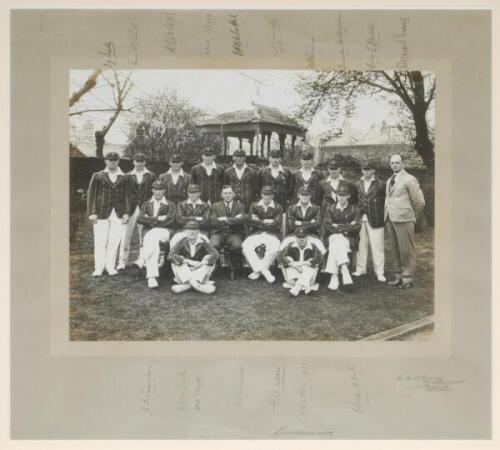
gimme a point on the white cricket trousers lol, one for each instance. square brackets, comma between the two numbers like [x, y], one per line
[338, 253]
[307, 277]
[107, 236]
[149, 255]
[272, 244]
[375, 238]
[183, 273]
[128, 233]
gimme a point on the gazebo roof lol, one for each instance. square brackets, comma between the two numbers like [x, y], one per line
[258, 114]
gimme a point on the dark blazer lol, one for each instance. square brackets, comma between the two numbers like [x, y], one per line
[313, 184]
[311, 254]
[149, 220]
[258, 214]
[372, 202]
[103, 196]
[181, 251]
[140, 192]
[233, 225]
[211, 186]
[311, 221]
[175, 192]
[346, 222]
[186, 212]
[246, 188]
[326, 192]
[282, 184]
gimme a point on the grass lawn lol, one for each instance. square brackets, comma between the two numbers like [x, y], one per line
[123, 308]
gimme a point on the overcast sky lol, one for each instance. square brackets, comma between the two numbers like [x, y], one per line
[215, 91]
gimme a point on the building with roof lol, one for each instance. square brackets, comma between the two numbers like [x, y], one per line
[256, 126]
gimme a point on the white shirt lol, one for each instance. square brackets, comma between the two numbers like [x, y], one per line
[192, 247]
[304, 210]
[335, 183]
[138, 174]
[302, 250]
[266, 207]
[239, 172]
[307, 173]
[209, 168]
[157, 204]
[338, 206]
[198, 202]
[113, 175]
[276, 172]
[175, 175]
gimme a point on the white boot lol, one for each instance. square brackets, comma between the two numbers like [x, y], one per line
[346, 276]
[334, 283]
[152, 283]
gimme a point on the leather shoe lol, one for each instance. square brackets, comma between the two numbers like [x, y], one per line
[406, 285]
[395, 282]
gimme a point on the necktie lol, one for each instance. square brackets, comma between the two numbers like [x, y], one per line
[228, 208]
[393, 180]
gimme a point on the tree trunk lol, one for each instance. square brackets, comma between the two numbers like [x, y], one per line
[423, 145]
[99, 144]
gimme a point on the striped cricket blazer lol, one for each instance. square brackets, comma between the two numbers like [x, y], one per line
[103, 195]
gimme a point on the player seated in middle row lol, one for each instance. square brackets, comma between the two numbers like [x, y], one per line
[227, 219]
[158, 218]
[304, 214]
[342, 225]
[264, 219]
[300, 260]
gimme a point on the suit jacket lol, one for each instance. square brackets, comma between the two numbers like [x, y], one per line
[326, 190]
[313, 184]
[186, 212]
[246, 188]
[311, 221]
[282, 184]
[211, 186]
[291, 253]
[234, 224]
[203, 250]
[150, 220]
[176, 192]
[104, 195]
[140, 192]
[345, 222]
[258, 214]
[372, 202]
[404, 201]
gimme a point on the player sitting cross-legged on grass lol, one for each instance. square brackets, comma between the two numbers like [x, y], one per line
[193, 261]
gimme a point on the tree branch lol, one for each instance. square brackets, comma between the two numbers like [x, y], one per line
[89, 84]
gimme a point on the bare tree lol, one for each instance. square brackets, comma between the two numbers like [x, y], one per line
[411, 92]
[89, 84]
[120, 88]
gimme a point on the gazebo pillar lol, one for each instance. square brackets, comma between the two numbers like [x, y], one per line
[251, 139]
[269, 143]
[282, 138]
[225, 145]
[262, 139]
[241, 142]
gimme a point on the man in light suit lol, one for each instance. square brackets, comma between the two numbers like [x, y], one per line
[404, 202]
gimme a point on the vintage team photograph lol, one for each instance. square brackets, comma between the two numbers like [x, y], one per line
[251, 205]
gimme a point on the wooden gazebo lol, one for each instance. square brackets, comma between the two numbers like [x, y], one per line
[255, 125]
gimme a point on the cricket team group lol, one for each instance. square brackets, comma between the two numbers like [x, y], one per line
[302, 221]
